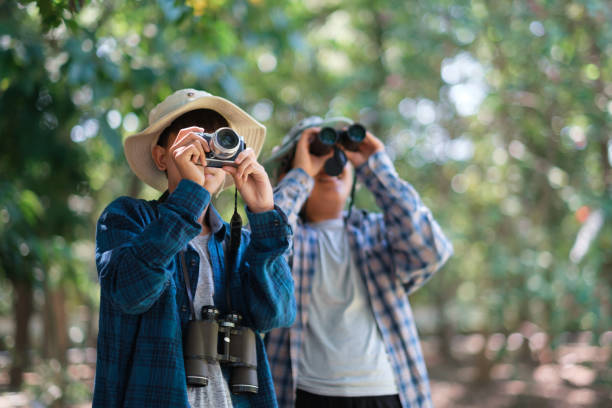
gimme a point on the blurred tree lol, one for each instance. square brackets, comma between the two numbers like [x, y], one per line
[498, 112]
[41, 170]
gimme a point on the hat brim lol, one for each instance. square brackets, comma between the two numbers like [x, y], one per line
[138, 147]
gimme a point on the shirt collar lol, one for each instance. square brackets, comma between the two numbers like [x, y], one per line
[215, 222]
[217, 226]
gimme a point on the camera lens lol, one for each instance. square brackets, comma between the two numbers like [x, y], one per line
[225, 143]
[227, 138]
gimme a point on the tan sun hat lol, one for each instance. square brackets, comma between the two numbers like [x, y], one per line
[139, 147]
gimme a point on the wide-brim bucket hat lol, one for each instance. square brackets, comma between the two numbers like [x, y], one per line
[138, 147]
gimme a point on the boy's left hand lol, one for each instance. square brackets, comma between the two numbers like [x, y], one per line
[252, 182]
[370, 145]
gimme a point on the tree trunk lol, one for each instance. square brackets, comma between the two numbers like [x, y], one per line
[22, 311]
[483, 364]
[56, 325]
[444, 328]
[91, 331]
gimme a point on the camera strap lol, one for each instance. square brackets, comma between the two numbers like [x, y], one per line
[187, 284]
[350, 209]
[232, 252]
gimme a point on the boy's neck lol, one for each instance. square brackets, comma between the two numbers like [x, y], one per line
[323, 217]
[203, 220]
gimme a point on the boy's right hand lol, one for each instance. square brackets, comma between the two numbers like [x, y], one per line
[310, 163]
[188, 152]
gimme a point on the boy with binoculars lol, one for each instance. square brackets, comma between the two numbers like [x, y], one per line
[183, 294]
[354, 342]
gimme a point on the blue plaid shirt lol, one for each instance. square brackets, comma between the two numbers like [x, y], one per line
[396, 251]
[144, 307]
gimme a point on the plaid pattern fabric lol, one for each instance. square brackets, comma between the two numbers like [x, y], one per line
[396, 251]
[143, 305]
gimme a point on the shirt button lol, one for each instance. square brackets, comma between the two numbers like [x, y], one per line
[183, 308]
[192, 262]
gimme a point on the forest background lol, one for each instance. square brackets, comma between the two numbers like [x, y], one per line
[498, 112]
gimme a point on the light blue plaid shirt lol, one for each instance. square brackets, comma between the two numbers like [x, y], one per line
[396, 251]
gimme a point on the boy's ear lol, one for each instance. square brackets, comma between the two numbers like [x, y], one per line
[160, 157]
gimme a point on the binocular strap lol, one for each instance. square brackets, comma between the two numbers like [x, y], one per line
[187, 284]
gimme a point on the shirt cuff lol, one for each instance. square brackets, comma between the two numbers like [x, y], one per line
[268, 224]
[378, 163]
[300, 176]
[190, 196]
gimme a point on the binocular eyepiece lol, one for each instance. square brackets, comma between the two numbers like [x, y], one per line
[226, 341]
[328, 137]
[327, 140]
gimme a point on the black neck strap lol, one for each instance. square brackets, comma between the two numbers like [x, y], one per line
[350, 209]
[232, 252]
[187, 284]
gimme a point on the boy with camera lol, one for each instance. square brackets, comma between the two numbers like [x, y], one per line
[354, 342]
[165, 274]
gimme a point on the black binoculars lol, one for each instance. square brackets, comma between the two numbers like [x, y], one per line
[226, 341]
[328, 139]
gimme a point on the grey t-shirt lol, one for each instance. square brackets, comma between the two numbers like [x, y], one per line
[216, 393]
[343, 353]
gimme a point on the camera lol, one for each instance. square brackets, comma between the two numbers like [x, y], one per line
[327, 140]
[224, 340]
[225, 145]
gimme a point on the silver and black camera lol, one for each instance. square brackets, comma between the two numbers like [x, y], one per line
[225, 145]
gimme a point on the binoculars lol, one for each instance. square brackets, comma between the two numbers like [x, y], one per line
[226, 341]
[328, 139]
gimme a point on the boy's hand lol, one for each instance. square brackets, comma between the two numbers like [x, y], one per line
[188, 153]
[252, 182]
[370, 145]
[310, 163]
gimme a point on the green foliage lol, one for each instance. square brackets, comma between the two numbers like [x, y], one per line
[498, 112]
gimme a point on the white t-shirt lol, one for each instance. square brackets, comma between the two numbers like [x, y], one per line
[216, 394]
[343, 353]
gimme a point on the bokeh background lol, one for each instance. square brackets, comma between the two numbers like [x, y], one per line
[498, 112]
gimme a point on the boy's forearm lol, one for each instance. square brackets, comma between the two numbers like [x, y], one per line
[270, 230]
[380, 177]
[291, 193]
[132, 258]
[177, 223]
[267, 282]
[418, 244]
